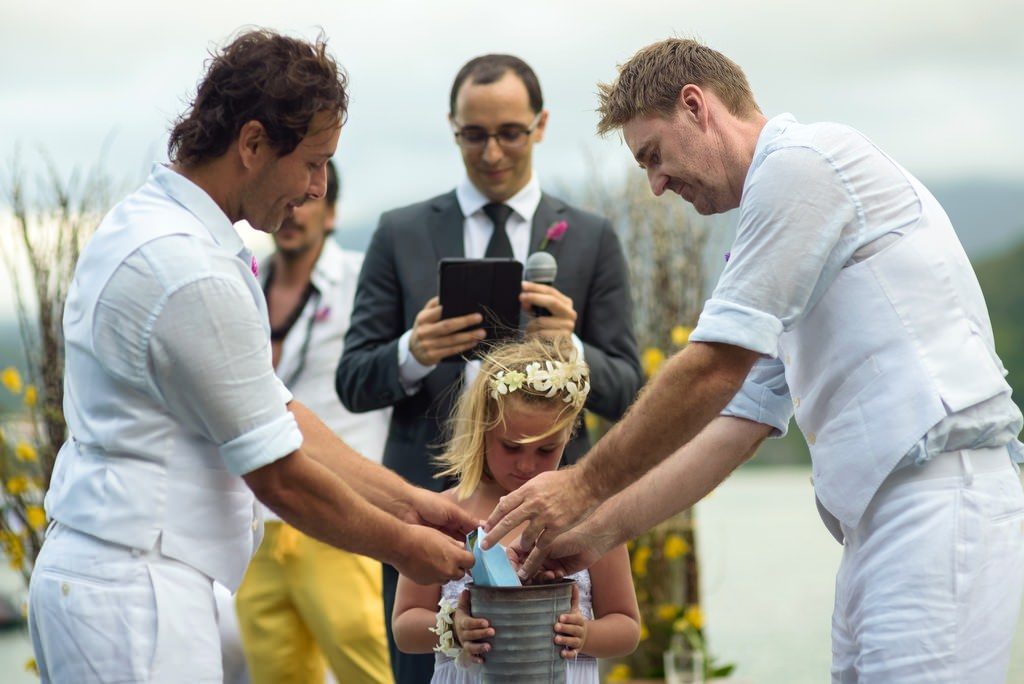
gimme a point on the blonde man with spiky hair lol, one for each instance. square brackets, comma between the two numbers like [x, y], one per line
[847, 301]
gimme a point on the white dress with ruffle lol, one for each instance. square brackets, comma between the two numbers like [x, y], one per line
[582, 670]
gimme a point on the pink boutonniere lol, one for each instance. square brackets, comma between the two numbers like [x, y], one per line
[322, 315]
[555, 233]
[255, 268]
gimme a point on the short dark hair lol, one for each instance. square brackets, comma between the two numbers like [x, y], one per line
[490, 68]
[260, 76]
[333, 186]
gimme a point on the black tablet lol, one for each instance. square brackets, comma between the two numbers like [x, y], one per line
[490, 287]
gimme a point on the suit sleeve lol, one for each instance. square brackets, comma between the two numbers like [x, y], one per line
[367, 375]
[608, 341]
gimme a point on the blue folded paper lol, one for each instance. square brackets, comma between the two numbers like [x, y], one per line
[492, 567]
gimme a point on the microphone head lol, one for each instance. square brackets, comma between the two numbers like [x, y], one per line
[541, 267]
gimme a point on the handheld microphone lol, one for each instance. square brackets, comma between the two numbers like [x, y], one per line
[541, 268]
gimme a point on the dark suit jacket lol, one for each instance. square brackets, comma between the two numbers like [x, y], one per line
[399, 275]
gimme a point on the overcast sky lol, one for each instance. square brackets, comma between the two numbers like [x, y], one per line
[939, 85]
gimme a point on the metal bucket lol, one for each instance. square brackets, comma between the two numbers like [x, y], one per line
[523, 648]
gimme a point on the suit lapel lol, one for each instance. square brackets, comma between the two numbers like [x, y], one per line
[548, 212]
[446, 227]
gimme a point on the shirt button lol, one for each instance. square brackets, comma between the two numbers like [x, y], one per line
[787, 359]
[255, 525]
[796, 402]
[65, 588]
[811, 439]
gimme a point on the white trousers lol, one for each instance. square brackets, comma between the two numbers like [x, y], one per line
[930, 584]
[101, 612]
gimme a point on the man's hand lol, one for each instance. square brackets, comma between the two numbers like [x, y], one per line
[471, 631]
[553, 502]
[431, 557]
[562, 320]
[434, 510]
[434, 339]
[568, 553]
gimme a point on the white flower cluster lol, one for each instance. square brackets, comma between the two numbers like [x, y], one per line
[553, 377]
[444, 629]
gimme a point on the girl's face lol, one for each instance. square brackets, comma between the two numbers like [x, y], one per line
[512, 462]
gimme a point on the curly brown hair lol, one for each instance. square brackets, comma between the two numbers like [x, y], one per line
[260, 76]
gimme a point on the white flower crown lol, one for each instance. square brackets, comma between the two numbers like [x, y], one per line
[570, 377]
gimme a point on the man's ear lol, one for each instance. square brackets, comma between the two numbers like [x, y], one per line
[252, 144]
[693, 104]
[542, 122]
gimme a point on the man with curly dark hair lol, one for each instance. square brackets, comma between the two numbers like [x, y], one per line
[175, 415]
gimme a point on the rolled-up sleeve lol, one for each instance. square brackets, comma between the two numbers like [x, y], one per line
[797, 224]
[210, 358]
[764, 397]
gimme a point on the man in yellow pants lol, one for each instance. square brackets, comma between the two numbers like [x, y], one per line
[303, 602]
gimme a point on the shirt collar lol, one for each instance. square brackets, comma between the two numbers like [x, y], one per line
[524, 202]
[201, 205]
[328, 268]
[775, 127]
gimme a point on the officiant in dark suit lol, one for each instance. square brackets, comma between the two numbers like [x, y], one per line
[397, 339]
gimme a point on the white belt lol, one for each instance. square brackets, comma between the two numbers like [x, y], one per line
[964, 463]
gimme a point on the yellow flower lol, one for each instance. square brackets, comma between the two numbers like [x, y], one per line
[11, 379]
[13, 549]
[590, 420]
[619, 673]
[666, 611]
[31, 396]
[675, 546]
[24, 451]
[651, 360]
[17, 485]
[640, 558]
[36, 517]
[694, 616]
[32, 666]
[645, 633]
[680, 335]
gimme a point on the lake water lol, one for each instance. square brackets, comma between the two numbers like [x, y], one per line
[768, 568]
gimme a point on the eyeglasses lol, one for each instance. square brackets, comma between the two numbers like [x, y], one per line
[509, 136]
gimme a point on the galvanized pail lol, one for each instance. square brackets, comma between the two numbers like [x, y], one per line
[523, 648]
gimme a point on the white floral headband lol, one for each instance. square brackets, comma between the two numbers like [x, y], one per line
[553, 377]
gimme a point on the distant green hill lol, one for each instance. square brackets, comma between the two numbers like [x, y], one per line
[1003, 283]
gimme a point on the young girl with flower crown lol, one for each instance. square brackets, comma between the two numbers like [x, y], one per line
[510, 425]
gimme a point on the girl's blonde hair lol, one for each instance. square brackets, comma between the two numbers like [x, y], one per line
[535, 371]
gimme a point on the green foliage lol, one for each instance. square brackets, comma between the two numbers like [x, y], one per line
[1003, 284]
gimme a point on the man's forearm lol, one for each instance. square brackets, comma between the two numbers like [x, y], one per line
[689, 392]
[377, 484]
[681, 480]
[314, 500]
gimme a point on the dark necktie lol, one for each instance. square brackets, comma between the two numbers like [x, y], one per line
[499, 247]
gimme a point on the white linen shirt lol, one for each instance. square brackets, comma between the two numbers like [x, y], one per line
[311, 349]
[803, 216]
[477, 230]
[178, 321]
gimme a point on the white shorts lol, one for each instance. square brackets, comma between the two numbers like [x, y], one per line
[101, 612]
[930, 585]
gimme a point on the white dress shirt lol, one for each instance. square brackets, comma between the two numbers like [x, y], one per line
[477, 230]
[804, 216]
[311, 349]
